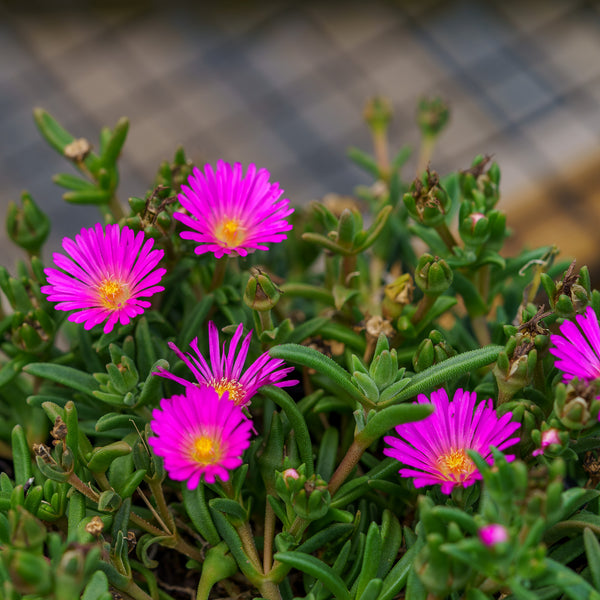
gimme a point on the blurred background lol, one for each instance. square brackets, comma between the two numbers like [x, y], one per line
[284, 83]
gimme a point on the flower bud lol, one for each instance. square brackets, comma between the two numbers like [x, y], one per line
[138, 205]
[547, 438]
[432, 116]
[426, 201]
[481, 184]
[261, 293]
[378, 113]
[433, 275]
[432, 350]
[289, 482]
[312, 502]
[36, 332]
[577, 404]
[493, 534]
[28, 226]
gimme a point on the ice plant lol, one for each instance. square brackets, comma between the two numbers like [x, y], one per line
[104, 275]
[230, 212]
[577, 349]
[435, 448]
[200, 435]
[226, 373]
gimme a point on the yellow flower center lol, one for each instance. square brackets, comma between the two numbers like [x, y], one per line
[234, 387]
[206, 451]
[113, 294]
[230, 232]
[456, 463]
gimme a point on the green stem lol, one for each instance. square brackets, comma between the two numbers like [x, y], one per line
[382, 155]
[269, 536]
[163, 509]
[481, 331]
[425, 153]
[269, 590]
[348, 463]
[425, 303]
[115, 208]
[219, 273]
[245, 532]
[135, 592]
[265, 319]
[446, 236]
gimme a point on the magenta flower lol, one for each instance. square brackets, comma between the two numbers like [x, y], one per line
[493, 534]
[436, 446]
[200, 435]
[578, 348]
[104, 275]
[232, 212]
[225, 372]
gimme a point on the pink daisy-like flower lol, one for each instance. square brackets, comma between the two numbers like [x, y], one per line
[232, 212]
[104, 275]
[436, 446]
[200, 435]
[578, 348]
[224, 373]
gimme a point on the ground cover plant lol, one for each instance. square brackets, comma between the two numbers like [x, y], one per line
[216, 394]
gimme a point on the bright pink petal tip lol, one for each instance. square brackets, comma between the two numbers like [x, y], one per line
[225, 372]
[201, 436]
[104, 276]
[577, 347]
[435, 448]
[228, 212]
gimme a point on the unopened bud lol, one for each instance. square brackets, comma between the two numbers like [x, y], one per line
[378, 113]
[261, 293]
[548, 437]
[27, 226]
[432, 116]
[433, 275]
[312, 502]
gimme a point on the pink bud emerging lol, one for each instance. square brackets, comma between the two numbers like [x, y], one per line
[550, 436]
[475, 217]
[493, 534]
[291, 473]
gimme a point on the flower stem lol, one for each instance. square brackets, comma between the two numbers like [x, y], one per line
[425, 303]
[446, 236]
[268, 536]
[348, 463]
[380, 145]
[425, 153]
[157, 491]
[115, 208]
[219, 273]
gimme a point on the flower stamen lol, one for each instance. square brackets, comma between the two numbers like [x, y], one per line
[113, 294]
[456, 463]
[234, 387]
[206, 450]
[230, 232]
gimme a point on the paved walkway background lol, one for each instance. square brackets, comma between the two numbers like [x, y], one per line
[283, 84]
